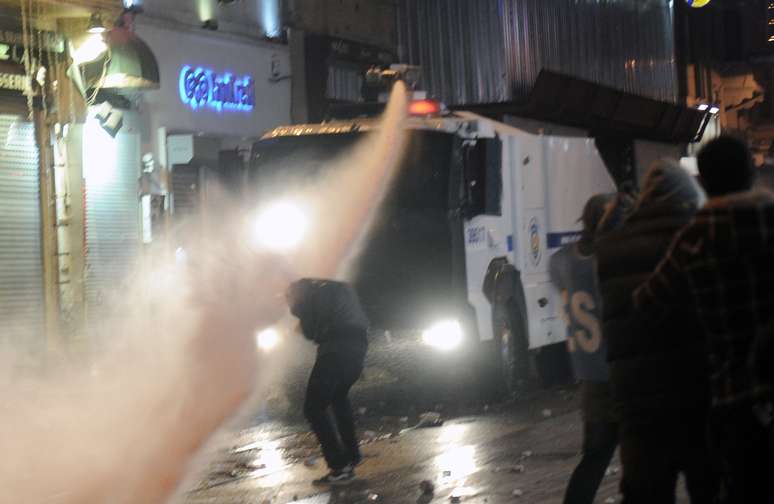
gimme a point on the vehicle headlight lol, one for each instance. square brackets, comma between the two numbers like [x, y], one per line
[267, 339]
[280, 226]
[443, 335]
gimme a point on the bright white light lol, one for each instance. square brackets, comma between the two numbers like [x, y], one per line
[457, 462]
[280, 227]
[452, 434]
[270, 18]
[703, 107]
[100, 155]
[714, 110]
[443, 335]
[206, 9]
[181, 256]
[267, 339]
[91, 48]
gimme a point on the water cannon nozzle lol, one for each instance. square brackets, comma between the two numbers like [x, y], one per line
[385, 77]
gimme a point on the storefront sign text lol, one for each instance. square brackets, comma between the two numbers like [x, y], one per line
[219, 91]
[14, 82]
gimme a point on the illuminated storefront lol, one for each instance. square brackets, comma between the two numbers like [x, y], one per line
[219, 92]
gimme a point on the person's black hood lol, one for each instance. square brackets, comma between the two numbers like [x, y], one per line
[324, 306]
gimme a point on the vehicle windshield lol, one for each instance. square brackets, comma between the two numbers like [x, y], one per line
[407, 268]
[286, 162]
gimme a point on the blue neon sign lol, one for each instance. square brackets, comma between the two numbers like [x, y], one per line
[204, 88]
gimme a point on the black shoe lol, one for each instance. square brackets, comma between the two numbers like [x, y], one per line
[343, 476]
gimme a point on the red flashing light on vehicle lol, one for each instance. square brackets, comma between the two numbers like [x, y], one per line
[424, 108]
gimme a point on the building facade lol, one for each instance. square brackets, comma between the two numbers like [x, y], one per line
[90, 94]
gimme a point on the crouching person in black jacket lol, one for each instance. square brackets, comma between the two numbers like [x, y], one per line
[331, 316]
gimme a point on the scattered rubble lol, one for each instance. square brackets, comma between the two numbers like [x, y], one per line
[429, 419]
[547, 413]
[516, 469]
[517, 493]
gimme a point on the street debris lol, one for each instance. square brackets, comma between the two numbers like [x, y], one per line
[373, 497]
[612, 470]
[517, 493]
[516, 469]
[426, 420]
[369, 435]
[429, 419]
[610, 500]
[427, 487]
[362, 411]
[547, 413]
[460, 492]
[526, 454]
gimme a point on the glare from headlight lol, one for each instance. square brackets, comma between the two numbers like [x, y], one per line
[280, 227]
[443, 335]
[267, 339]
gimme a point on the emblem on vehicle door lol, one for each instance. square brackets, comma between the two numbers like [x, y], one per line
[534, 241]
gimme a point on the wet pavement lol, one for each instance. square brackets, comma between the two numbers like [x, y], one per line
[518, 452]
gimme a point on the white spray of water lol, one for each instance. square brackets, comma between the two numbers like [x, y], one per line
[347, 199]
[176, 351]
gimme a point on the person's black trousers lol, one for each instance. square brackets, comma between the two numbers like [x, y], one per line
[599, 442]
[745, 455]
[655, 450]
[332, 377]
[600, 438]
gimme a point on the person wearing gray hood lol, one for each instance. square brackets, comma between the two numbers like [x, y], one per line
[331, 316]
[658, 373]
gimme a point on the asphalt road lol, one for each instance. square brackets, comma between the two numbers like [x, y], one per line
[518, 452]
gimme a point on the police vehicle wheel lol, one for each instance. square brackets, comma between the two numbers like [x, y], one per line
[512, 350]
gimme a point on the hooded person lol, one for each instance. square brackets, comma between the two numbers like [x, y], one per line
[719, 270]
[572, 272]
[331, 316]
[658, 373]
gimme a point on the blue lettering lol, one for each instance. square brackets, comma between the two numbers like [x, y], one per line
[199, 88]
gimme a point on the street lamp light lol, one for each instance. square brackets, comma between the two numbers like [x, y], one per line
[95, 24]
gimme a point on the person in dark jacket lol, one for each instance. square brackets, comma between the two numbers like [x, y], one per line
[658, 375]
[572, 272]
[331, 316]
[719, 269]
